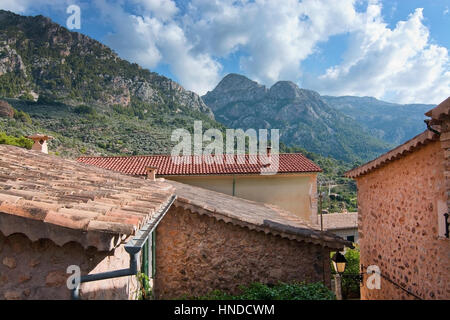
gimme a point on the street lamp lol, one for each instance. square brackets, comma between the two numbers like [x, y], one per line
[339, 262]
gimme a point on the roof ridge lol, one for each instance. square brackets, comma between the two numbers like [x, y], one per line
[169, 155]
[408, 146]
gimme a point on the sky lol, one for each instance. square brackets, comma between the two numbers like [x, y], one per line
[396, 51]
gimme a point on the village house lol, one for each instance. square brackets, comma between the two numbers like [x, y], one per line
[56, 214]
[344, 224]
[403, 214]
[293, 187]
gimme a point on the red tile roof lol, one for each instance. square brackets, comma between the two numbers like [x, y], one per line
[136, 165]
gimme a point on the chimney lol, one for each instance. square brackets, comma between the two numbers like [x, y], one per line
[151, 173]
[40, 142]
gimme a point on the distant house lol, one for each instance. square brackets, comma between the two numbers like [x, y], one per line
[403, 208]
[293, 187]
[344, 225]
[56, 214]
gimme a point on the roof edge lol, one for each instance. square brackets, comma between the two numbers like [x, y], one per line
[442, 110]
[394, 154]
[38, 229]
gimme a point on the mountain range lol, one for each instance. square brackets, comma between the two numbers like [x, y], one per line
[346, 128]
[391, 122]
[80, 91]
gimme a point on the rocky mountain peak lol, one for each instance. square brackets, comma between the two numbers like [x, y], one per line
[234, 88]
[233, 81]
[288, 90]
[285, 90]
[304, 119]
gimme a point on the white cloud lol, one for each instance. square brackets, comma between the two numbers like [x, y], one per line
[399, 64]
[161, 9]
[275, 36]
[155, 37]
[272, 37]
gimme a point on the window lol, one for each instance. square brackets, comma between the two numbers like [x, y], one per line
[351, 238]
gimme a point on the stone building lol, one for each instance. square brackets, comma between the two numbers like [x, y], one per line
[402, 207]
[293, 187]
[56, 213]
[209, 240]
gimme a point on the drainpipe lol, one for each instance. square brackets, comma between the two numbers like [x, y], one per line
[132, 270]
[133, 248]
[234, 186]
[427, 122]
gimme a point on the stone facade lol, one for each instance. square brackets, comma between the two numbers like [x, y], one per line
[196, 254]
[401, 206]
[37, 270]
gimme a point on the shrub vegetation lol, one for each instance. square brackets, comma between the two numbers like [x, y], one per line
[280, 291]
[15, 141]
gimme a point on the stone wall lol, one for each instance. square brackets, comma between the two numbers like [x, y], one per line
[37, 270]
[399, 208]
[196, 254]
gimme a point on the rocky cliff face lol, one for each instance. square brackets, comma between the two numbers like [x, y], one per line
[6, 111]
[304, 119]
[235, 88]
[41, 58]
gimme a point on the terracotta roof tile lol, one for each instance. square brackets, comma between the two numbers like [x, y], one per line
[63, 193]
[69, 194]
[137, 165]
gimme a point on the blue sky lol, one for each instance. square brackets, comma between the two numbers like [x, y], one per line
[392, 50]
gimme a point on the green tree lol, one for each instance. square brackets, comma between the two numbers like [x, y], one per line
[15, 141]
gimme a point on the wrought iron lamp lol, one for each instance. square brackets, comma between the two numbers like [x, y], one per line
[339, 262]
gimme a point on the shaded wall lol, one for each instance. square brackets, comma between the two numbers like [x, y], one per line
[344, 233]
[399, 207]
[197, 254]
[296, 193]
[37, 270]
